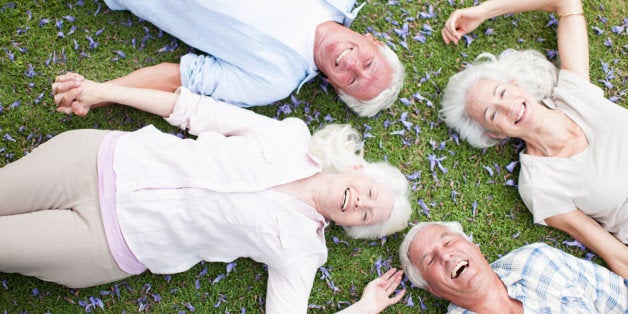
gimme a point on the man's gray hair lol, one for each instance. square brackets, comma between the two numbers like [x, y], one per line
[529, 68]
[411, 271]
[338, 147]
[385, 99]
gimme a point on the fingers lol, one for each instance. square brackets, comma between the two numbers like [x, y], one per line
[64, 86]
[449, 32]
[391, 280]
[69, 76]
[76, 108]
[65, 99]
[450, 35]
[66, 110]
[397, 297]
[66, 90]
[388, 274]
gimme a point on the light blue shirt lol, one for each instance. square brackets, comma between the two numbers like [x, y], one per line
[548, 280]
[245, 66]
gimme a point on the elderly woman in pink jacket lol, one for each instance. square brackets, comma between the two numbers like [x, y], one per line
[90, 207]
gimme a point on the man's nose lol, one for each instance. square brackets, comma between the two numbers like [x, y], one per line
[443, 253]
[353, 64]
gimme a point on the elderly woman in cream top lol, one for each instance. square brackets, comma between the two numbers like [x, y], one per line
[573, 175]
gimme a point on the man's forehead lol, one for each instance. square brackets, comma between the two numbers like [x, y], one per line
[428, 236]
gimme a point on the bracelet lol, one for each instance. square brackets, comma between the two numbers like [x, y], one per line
[568, 14]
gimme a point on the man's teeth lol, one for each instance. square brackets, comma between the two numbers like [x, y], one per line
[342, 55]
[521, 111]
[459, 269]
[345, 202]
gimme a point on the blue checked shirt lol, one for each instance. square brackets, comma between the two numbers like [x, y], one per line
[548, 280]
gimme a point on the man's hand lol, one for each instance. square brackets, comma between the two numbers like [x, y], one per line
[462, 22]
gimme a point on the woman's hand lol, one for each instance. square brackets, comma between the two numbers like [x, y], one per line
[375, 297]
[462, 22]
[74, 94]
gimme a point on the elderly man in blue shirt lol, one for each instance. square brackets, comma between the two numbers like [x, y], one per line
[261, 51]
[535, 278]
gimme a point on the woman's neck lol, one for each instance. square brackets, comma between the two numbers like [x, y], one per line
[304, 189]
[557, 136]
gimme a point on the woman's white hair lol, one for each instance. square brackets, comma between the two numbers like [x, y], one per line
[339, 147]
[529, 68]
[411, 271]
[385, 99]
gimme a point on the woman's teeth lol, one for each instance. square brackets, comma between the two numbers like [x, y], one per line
[345, 202]
[522, 110]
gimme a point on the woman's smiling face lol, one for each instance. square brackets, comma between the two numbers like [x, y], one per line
[504, 109]
[353, 199]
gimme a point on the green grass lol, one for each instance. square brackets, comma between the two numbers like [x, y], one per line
[489, 209]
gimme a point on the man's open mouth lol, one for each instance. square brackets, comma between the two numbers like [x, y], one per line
[459, 269]
[342, 55]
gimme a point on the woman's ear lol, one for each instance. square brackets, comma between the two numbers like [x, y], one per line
[494, 135]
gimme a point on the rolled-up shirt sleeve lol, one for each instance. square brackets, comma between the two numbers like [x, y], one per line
[207, 75]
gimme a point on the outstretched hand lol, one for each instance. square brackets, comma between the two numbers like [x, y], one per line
[462, 22]
[375, 297]
[74, 94]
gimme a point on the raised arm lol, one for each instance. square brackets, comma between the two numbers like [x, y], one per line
[74, 94]
[573, 45]
[588, 232]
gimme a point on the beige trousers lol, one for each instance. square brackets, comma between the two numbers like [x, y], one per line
[50, 222]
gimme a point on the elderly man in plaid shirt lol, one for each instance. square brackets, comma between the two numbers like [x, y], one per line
[536, 278]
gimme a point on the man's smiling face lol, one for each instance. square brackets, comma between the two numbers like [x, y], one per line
[354, 63]
[453, 267]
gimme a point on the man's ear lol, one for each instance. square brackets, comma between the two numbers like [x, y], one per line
[494, 135]
[372, 38]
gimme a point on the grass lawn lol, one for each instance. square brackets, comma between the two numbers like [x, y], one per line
[450, 180]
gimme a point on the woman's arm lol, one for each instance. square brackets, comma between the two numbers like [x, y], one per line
[163, 76]
[74, 94]
[588, 232]
[573, 46]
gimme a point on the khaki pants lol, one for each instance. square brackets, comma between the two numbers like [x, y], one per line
[50, 222]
